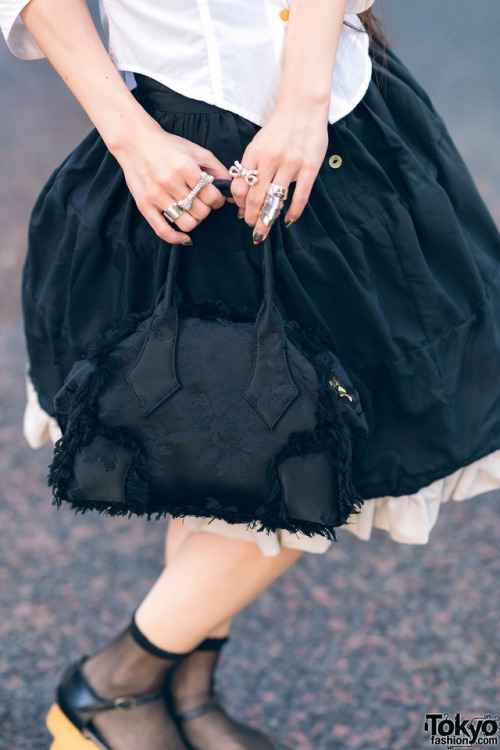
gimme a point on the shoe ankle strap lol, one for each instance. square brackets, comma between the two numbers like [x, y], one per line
[76, 697]
[204, 708]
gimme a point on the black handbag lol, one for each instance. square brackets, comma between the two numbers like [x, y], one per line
[211, 411]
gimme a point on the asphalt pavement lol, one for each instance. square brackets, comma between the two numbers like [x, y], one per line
[350, 649]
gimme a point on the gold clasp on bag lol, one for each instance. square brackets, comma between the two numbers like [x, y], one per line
[340, 390]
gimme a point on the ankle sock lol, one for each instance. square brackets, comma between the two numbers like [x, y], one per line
[146, 644]
[205, 724]
[212, 644]
[133, 666]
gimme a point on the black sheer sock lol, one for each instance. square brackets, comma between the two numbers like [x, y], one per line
[204, 723]
[132, 666]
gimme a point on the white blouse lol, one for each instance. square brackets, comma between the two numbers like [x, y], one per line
[227, 53]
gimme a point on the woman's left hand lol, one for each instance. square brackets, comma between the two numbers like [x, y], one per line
[288, 148]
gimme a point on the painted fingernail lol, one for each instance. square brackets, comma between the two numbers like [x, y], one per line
[241, 214]
[258, 237]
[289, 223]
[187, 243]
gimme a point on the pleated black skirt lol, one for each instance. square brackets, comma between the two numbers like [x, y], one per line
[396, 254]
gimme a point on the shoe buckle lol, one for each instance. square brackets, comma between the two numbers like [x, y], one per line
[124, 702]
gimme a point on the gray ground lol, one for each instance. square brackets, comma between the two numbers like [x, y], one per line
[350, 649]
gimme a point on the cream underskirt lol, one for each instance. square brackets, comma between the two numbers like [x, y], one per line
[408, 519]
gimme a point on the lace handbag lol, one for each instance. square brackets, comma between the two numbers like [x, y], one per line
[211, 411]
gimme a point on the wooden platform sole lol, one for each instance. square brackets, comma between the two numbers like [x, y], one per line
[66, 735]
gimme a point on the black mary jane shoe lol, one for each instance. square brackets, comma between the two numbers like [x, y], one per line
[70, 718]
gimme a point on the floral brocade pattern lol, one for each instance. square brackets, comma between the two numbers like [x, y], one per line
[229, 428]
[218, 420]
[103, 452]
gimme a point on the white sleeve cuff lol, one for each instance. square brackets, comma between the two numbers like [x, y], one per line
[358, 6]
[19, 40]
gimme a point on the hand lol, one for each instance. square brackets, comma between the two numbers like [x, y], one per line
[289, 148]
[161, 169]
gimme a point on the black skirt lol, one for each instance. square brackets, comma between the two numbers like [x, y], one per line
[395, 253]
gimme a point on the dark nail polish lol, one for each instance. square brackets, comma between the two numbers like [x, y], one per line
[289, 223]
[187, 243]
[258, 237]
[241, 214]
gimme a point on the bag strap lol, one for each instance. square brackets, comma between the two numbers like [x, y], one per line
[270, 389]
[267, 259]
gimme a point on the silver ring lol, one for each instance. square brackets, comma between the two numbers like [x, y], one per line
[187, 202]
[173, 212]
[250, 175]
[270, 211]
[277, 191]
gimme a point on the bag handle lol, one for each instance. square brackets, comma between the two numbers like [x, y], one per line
[267, 271]
[270, 389]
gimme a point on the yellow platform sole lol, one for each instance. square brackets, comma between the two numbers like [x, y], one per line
[66, 735]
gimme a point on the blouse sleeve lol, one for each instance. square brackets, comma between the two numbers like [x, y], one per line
[358, 6]
[17, 36]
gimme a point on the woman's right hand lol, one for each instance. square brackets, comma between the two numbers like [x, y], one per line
[161, 169]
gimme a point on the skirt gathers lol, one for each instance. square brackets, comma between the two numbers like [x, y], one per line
[395, 253]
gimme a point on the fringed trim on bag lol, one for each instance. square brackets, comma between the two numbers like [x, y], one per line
[332, 435]
[336, 423]
[83, 426]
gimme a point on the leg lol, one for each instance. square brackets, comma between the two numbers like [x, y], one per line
[192, 685]
[209, 580]
[177, 533]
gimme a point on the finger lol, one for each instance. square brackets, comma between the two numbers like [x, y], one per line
[303, 187]
[240, 187]
[239, 191]
[199, 210]
[256, 196]
[186, 222]
[209, 194]
[190, 218]
[209, 162]
[211, 197]
[163, 228]
[261, 230]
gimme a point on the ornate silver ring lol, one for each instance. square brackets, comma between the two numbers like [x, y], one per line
[250, 175]
[187, 202]
[173, 212]
[277, 191]
[270, 211]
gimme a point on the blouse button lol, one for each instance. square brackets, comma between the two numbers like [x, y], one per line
[335, 161]
[285, 14]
